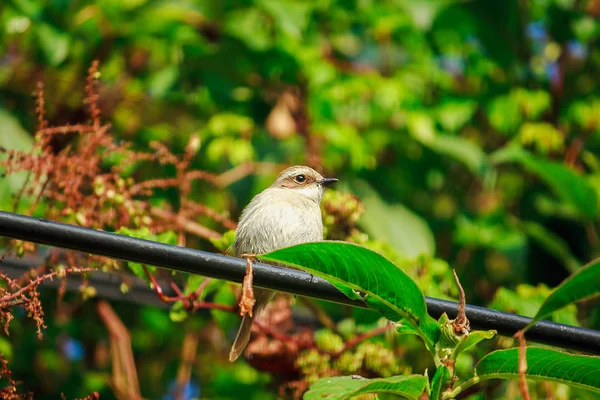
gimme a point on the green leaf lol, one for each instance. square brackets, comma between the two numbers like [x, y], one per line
[251, 26]
[6, 348]
[400, 227]
[161, 81]
[542, 365]
[505, 115]
[442, 374]
[178, 313]
[346, 387]
[582, 284]
[474, 338]
[13, 137]
[292, 17]
[564, 182]
[489, 233]
[54, 44]
[352, 268]
[460, 149]
[453, 114]
[224, 243]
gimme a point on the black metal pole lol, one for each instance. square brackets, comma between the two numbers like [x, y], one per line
[266, 276]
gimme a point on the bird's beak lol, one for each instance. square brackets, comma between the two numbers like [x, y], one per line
[327, 181]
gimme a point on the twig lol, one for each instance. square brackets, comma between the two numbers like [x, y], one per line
[186, 300]
[202, 286]
[573, 152]
[361, 338]
[124, 374]
[461, 323]
[187, 225]
[188, 357]
[319, 313]
[92, 94]
[158, 289]
[275, 335]
[523, 364]
[241, 171]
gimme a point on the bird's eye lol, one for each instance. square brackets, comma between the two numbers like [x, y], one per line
[300, 178]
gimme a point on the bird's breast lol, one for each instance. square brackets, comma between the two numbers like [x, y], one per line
[268, 224]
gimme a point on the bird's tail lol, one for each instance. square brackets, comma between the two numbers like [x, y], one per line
[242, 338]
[262, 297]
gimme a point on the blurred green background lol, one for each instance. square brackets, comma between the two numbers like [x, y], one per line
[469, 130]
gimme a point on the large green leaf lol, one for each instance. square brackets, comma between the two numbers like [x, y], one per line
[352, 269]
[542, 365]
[346, 387]
[582, 284]
[570, 187]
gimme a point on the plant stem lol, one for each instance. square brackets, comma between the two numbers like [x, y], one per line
[465, 385]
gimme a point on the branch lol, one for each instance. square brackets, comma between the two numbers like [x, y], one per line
[361, 338]
[269, 277]
[124, 374]
[187, 225]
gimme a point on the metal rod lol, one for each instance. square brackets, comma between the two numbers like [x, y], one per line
[266, 276]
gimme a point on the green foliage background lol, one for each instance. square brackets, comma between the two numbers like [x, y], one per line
[470, 130]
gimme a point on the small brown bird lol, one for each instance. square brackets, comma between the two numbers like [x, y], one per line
[285, 214]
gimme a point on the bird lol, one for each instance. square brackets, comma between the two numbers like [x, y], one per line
[285, 214]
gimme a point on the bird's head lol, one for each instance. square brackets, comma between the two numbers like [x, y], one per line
[304, 181]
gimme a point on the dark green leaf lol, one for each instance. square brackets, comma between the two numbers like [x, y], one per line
[542, 365]
[582, 284]
[346, 387]
[352, 268]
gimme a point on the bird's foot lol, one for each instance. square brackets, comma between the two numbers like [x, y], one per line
[249, 256]
[247, 300]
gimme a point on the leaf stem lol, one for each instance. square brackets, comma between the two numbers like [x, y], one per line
[460, 388]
